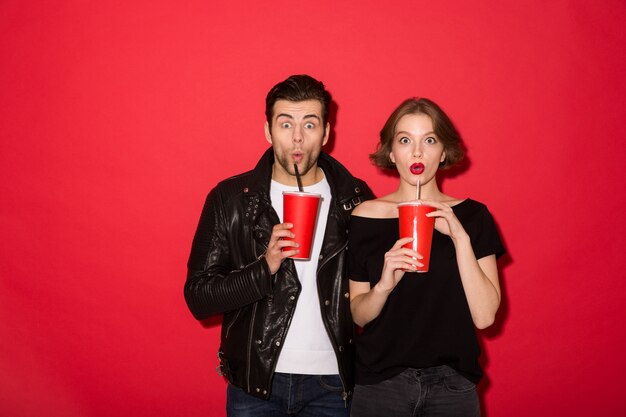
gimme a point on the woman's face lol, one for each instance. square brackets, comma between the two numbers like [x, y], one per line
[415, 149]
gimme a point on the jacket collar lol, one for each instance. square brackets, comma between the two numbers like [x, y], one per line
[345, 189]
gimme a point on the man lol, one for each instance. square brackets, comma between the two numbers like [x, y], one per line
[286, 344]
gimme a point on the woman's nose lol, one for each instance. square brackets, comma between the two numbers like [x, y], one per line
[417, 150]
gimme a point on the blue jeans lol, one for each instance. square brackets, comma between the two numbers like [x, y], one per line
[292, 395]
[439, 391]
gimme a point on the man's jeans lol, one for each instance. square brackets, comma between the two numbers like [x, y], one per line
[439, 391]
[292, 395]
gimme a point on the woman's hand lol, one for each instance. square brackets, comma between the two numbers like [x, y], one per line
[366, 303]
[398, 260]
[446, 221]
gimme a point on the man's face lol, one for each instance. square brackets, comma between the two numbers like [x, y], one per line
[297, 136]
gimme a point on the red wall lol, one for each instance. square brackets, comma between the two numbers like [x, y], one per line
[116, 118]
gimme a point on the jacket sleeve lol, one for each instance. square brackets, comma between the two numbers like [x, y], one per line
[214, 284]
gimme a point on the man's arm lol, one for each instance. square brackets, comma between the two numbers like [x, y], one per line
[214, 284]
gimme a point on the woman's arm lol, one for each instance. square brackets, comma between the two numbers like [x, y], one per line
[480, 282]
[366, 303]
[479, 277]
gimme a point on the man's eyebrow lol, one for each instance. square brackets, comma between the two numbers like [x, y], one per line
[308, 116]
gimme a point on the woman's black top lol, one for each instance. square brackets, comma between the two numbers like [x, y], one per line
[426, 320]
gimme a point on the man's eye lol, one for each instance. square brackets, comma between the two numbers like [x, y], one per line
[285, 125]
[404, 140]
[309, 126]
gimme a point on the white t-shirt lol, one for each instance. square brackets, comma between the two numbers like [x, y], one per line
[307, 348]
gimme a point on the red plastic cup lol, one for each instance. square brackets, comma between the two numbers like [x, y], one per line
[415, 224]
[300, 209]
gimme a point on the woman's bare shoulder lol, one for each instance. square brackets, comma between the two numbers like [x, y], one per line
[378, 208]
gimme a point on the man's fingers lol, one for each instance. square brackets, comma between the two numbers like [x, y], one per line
[281, 231]
[286, 243]
[288, 253]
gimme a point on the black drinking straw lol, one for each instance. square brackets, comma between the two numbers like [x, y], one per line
[295, 167]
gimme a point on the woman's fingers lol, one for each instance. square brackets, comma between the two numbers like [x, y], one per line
[400, 258]
[446, 221]
[399, 249]
[401, 242]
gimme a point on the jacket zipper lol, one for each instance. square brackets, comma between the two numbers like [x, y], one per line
[344, 394]
[230, 325]
[327, 259]
[250, 346]
[250, 341]
[331, 256]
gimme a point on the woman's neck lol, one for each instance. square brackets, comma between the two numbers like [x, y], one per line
[408, 192]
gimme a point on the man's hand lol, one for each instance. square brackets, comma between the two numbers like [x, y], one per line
[275, 255]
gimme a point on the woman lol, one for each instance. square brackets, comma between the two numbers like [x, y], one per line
[418, 352]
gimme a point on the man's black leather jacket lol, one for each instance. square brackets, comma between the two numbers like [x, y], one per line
[228, 274]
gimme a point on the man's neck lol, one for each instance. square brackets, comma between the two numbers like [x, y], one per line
[312, 177]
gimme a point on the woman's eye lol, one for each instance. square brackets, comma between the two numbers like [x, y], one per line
[404, 140]
[430, 140]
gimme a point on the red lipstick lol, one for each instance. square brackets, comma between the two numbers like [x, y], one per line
[417, 168]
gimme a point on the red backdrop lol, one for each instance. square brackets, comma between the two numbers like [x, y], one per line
[116, 118]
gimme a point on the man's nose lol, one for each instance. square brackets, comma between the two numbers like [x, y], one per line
[297, 135]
